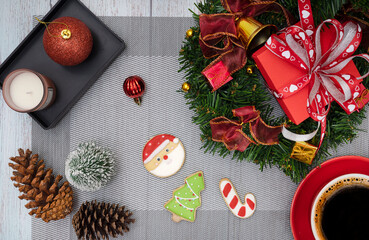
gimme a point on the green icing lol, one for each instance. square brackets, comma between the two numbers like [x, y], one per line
[187, 198]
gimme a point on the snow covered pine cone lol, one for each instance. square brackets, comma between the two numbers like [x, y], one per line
[89, 167]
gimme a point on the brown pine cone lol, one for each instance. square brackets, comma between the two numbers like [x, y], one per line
[40, 187]
[100, 220]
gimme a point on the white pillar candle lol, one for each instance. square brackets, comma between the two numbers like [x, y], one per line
[26, 90]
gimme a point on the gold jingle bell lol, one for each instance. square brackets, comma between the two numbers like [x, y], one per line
[253, 34]
[189, 33]
[186, 86]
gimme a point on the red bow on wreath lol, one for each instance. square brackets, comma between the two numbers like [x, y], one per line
[230, 132]
[216, 28]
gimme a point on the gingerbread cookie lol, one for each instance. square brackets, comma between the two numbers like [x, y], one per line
[186, 199]
[163, 155]
[230, 196]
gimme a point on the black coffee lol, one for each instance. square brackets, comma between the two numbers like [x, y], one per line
[346, 214]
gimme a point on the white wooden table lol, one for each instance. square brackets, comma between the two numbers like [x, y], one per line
[15, 129]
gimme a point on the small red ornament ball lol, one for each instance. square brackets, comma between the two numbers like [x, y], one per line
[134, 87]
[68, 48]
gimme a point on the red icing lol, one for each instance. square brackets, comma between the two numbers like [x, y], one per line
[250, 203]
[227, 189]
[189, 200]
[199, 174]
[154, 143]
[191, 210]
[193, 194]
[242, 211]
[234, 202]
[165, 157]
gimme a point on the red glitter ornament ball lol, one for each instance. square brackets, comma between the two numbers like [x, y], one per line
[134, 87]
[67, 41]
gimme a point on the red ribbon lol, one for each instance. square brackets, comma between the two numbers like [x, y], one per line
[230, 132]
[300, 45]
[216, 28]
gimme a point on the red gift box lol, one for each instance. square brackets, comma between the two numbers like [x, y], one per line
[279, 73]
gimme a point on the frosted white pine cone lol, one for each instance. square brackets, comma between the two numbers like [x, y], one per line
[89, 167]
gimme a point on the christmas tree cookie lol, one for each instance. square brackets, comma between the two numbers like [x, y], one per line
[186, 199]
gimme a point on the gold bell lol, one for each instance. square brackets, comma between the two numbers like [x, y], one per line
[253, 34]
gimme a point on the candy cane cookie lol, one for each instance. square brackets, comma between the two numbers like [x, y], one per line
[230, 196]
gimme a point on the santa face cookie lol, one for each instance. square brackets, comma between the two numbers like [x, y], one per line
[163, 155]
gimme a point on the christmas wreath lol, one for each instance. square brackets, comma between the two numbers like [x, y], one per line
[247, 89]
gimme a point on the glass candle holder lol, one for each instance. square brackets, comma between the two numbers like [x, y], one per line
[26, 91]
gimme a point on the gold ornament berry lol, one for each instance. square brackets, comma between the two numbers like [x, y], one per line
[249, 70]
[189, 33]
[186, 86]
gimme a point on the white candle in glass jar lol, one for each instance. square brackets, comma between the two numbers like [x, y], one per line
[26, 90]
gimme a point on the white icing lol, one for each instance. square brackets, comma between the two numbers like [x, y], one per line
[231, 195]
[182, 205]
[180, 198]
[156, 151]
[176, 140]
[172, 164]
[192, 190]
[192, 199]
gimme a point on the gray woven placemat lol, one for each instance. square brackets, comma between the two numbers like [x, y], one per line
[106, 115]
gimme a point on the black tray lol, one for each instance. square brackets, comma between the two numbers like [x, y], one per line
[71, 82]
